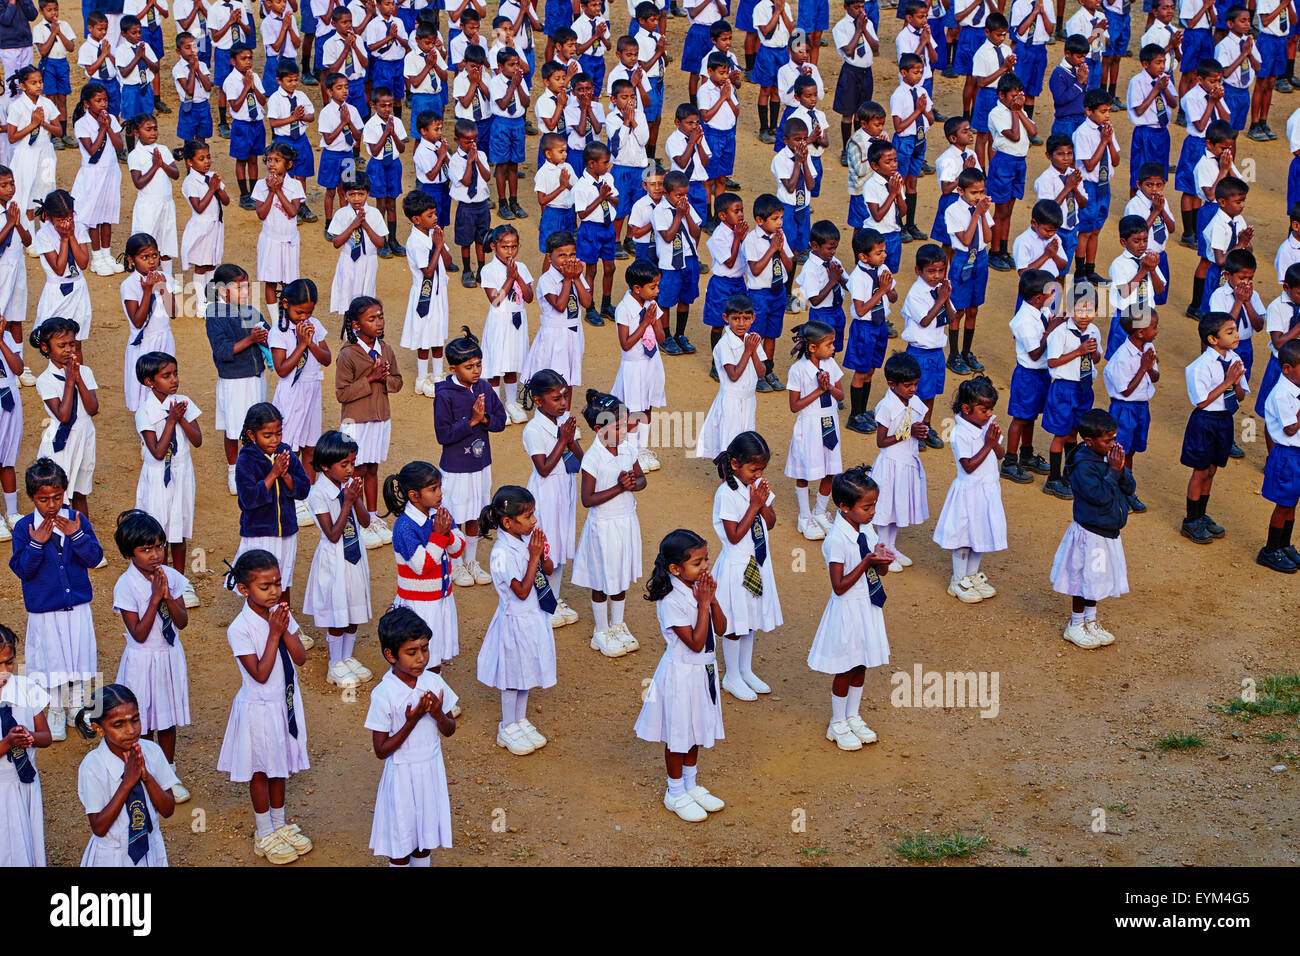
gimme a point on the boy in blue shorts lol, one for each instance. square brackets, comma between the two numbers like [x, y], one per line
[1151, 102]
[676, 228]
[1282, 470]
[795, 174]
[628, 132]
[1031, 30]
[193, 83]
[290, 112]
[970, 233]
[855, 41]
[688, 152]
[247, 101]
[719, 108]
[425, 74]
[991, 62]
[925, 316]
[773, 22]
[345, 53]
[650, 57]
[469, 175]
[1216, 387]
[595, 200]
[280, 40]
[1011, 129]
[225, 28]
[1274, 29]
[913, 113]
[1097, 152]
[1118, 31]
[727, 275]
[1197, 18]
[1027, 395]
[770, 261]
[1135, 278]
[821, 281]
[813, 18]
[510, 101]
[95, 57]
[699, 42]
[136, 69]
[385, 39]
[430, 159]
[1073, 351]
[559, 15]
[54, 40]
[1202, 106]
[882, 195]
[340, 128]
[1149, 203]
[870, 290]
[1240, 60]
[385, 140]
[1130, 377]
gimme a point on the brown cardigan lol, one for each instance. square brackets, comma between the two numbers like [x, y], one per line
[362, 400]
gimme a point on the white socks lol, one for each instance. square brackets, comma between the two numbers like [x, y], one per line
[470, 554]
[521, 705]
[888, 535]
[512, 392]
[11, 502]
[264, 828]
[508, 699]
[277, 817]
[822, 502]
[745, 647]
[600, 616]
[676, 787]
[959, 563]
[802, 495]
[839, 708]
[272, 314]
[230, 470]
[1076, 618]
[973, 561]
[731, 656]
[688, 777]
[336, 648]
[853, 701]
[422, 860]
[349, 643]
[616, 611]
[437, 367]
[421, 368]
[1090, 612]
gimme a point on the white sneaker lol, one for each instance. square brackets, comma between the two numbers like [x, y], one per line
[736, 687]
[179, 793]
[902, 559]
[476, 569]
[305, 518]
[861, 730]
[964, 591]
[1100, 633]
[570, 615]
[515, 412]
[189, 597]
[230, 482]
[58, 724]
[384, 532]
[12, 521]
[895, 567]
[103, 563]
[532, 734]
[461, 577]
[360, 670]
[28, 378]
[513, 739]
[648, 460]
[753, 682]
[1079, 636]
[607, 643]
[97, 263]
[685, 807]
[826, 520]
[705, 799]
[630, 643]
[114, 267]
[370, 538]
[341, 675]
[5, 533]
[429, 386]
[811, 529]
[558, 619]
[843, 735]
[306, 640]
[980, 582]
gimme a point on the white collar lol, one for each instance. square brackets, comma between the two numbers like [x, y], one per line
[414, 513]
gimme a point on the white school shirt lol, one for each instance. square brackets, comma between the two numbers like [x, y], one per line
[524, 35]
[1223, 231]
[48, 387]
[88, 128]
[99, 776]
[280, 104]
[780, 37]
[1029, 245]
[344, 216]
[198, 27]
[87, 54]
[719, 246]
[987, 59]
[544, 107]
[1086, 138]
[812, 118]
[585, 26]
[1027, 328]
[862, 286]
[41, 32]
[496, 50]
[459, 44]
[1083, 24]
[903, 101]
[219, 14]
[661, 219]
[234, 88]
[957, 217]
[1206, 373]
[1139, 205]
[917, 304]
[1049, 185]
[1139, 88]
[786, 77]
[277, 225]
[1065, 338]
[1120, 369]
[581, 130]
[143, 73]
[783, 167]
[21, 109]
[427, 167]
[373, 131]
[976, 17]
[493, 276]
[627, 146]
[195, 186]
[843, 32]
[395, 48]
[387, 714]
[457, 163]
[1122, 270]
[333, 49]
[26, 699]
[1227, 50]
[908, 40]
[158, 189]
[1189, 14]
[754, 248]
[181, 73]
[585, 191]
[696, 168]
[1196, 104]
[732, 62]
[1282, 314]
[550, 283]
[812, 280]
[619, 72]
[605, 467]
[498, 86]
[1162, 34]
[1281, 25]
[134, 8]
[1288, 254]
[133, 590]
[951, 162]
[1279, 411]
[1206, 173]
[710, 15]
[287, 339]
[875, 190]
[271, 25]
[1222, 300]
[547, 179]
[641, 215]
[709, 94]
[330, 119]
[414, 64]
[999, 123]
[1020, 11]
[247, 634]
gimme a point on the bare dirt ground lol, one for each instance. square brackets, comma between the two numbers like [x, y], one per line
[1074, 731]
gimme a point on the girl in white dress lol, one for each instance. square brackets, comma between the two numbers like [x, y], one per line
[851, 635]
[338, 585]
[743, 519]
[11, 425]
[358, 231]
[153, 169]
[508, 285]
[71, 394]
[148, 299]
[815, 446]
[97, 189]
[150, 598]
[551, 443]
[15, 238]
[683, 706]
[737, 365]
[266, 735]
[639, 383]
[30, 122]
[203, 244]
[518, 651]
[125, 784]
[900, 427]
[972, 521]
[300, 354]
[412, 806]
[608, 558]
[563, 294]
[61, 244]
[22, 729]
[424, 328]
[277, 197]
[168, 425]
[426, 545]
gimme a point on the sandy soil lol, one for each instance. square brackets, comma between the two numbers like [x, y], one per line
[1074, 731]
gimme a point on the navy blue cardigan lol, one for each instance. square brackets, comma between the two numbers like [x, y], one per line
[267, 512]
[465, 449]
[1100, 493]
[54, 580]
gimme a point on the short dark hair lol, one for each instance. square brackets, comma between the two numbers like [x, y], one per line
[1047, 212]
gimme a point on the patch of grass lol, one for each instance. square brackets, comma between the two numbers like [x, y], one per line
[522, 853]
[1277, 694]
[814, 854]
[1018, 850]
[928, 847]
[1180, 742]
[1274, 738]
[1117, 808]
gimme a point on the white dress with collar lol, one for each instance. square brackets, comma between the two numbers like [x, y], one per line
[518, 651]
[557, 493]
[98, 778]
[609, 553]
[852, 629]
[972, 515]
[22, 819]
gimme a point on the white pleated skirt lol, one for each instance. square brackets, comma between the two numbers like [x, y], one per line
[608, 558]
[285, 550]
[97, 193]
[337, 593]
[505, 348]
[555, 347]
[60, 646]
[443, 621]
[301, 407]
[372, 440]
[161, 682]
[235, 396]
[277, 259]
[518, 651]
[22, 823]
[678, 711]
[639, 383]
[851, 634]
[466, 493]
[744, 610]
[1089, 566]
[203, 243]
[412, 809]
[258, 740]
[352, 279]
[158, 219]
[903, 495]
[557, 511]
[972, 517]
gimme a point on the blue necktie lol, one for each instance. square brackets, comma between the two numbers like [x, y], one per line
[207, 181]
[252, 103]
[139, 336]
[172, 445]
[357, 243]
[711, 668]
[139, 822]
[875, 588]
[1158, 231]
[294, 131]
[545, 597]
[829, 438]
[942, 317]
[65, 428]
[877, 313]
[1085, 362]
[1230, 403]
[649, 350]
[286, 664]
[165, 617]
[17, 755]
[6, 398]
[759, 533]
[351, 542]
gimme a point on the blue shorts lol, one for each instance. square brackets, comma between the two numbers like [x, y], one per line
[911, 154]
[855, 86]
[332, 164]
[1246, 352]
[194, 121]
[1094, 72]
[1150, 145]
[1066, 125]
[1293, 182]
[1272, 55]
[695, 47]
[1134, 420]
[357, 99]
[593, 66]
[389, 73]
[769, 60]
[699, 198]
[1221, 8]
[1282, 476]
[656, 108]
[645, 250]
[559, 13]
[507, 143]
[769, 311]
[1031, 66]
[304, 160]
[1028, 392]
[1069, 243]
[554, 219]
[309, 20]
[270, 82]
[745, 16]
[893, 251]
[571, 156]
[1185, 173]
[797, 225]
[829, 315]
[137, 98]
[1094, 215]
[1197, 45]
[939, 231]
[1117, 31]
[969, 279]
[627, 180]
[722, 151]
[968, 41]
[54, 74]
[940, 40]
[152, 35]
[1204, 214]
[813, 15]
[1160, 297]
[1207, 439]
[865, 351]
[595, 242]
[405, 14]
[1006, 179]
[1238, 103]
[441, 193]
[1272, 372]
[220, 67]
[1066, 401]
[680, 286]
[385, 177]
[247, 139]
[858, 211]
[425, 102]
[933, 372]
[715, 298]
[986, 97]
[473, 219]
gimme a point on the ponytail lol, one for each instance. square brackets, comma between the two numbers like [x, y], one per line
[673, 549]
[509, 502]
[413, 476]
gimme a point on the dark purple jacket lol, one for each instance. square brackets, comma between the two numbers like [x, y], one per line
[16, 24]
[465, 449]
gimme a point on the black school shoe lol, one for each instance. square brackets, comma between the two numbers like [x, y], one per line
[396, 247]
[593, 318]
[957, 365]
[972, 362]
[453, 268]
[1034, 464]
[1012, 471]
[608, 313]
[858, 423]
[517, 209]
[773, 382]
[670, 346]
[683, 343]
[1194, 530]
[1135, 505]
[1236, 452]
[932, 440]
[1215, 529]
[1276, 560]
[1058, 488]
[468, 280]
